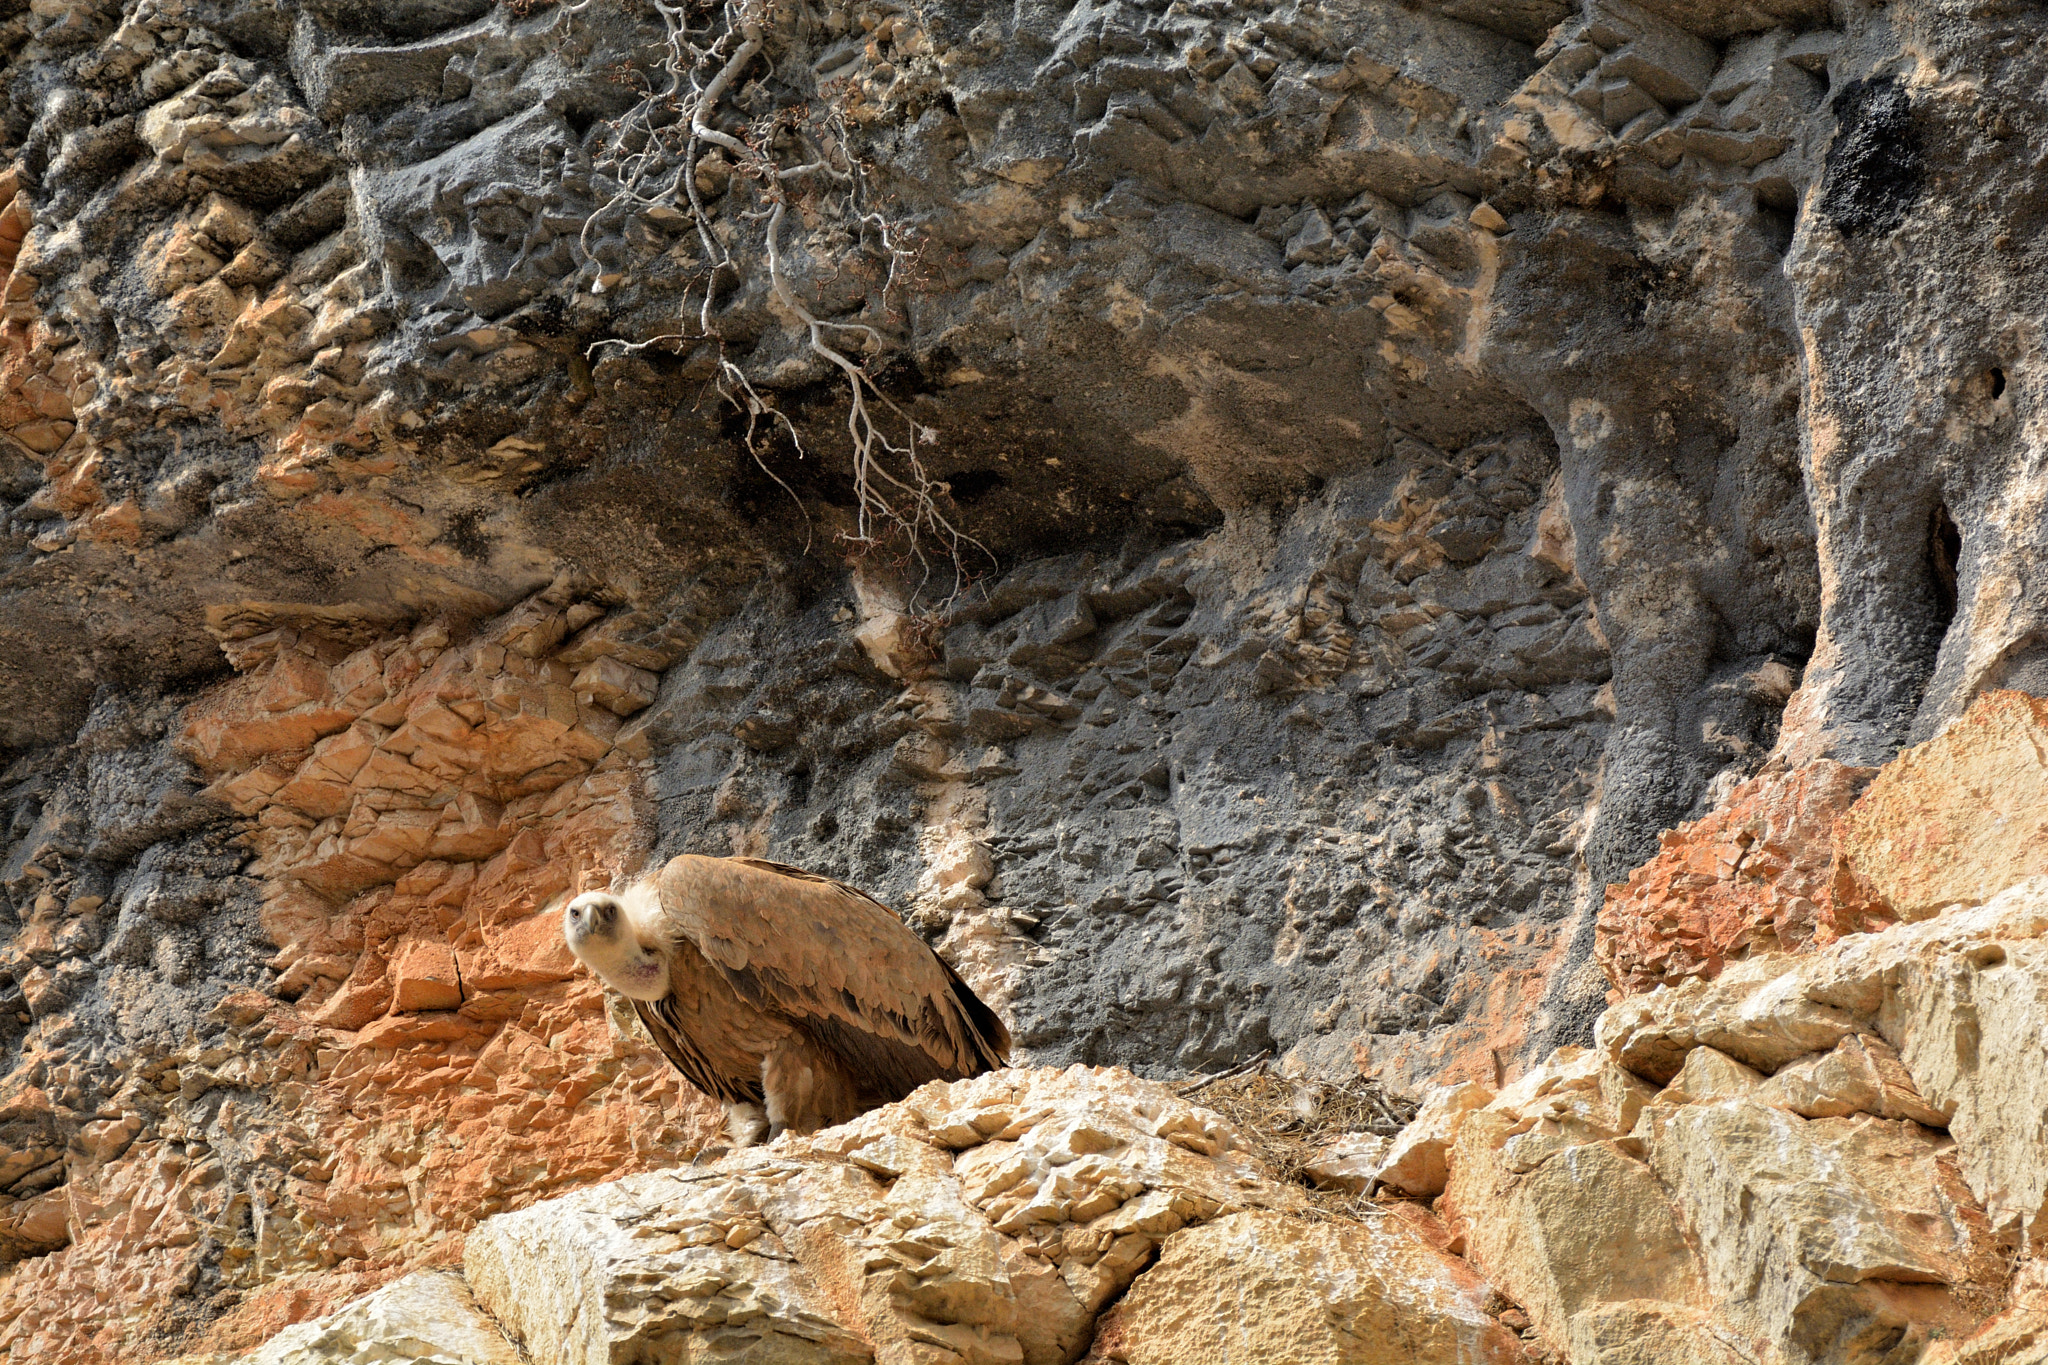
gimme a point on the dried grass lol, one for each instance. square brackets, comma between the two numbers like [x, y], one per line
[1287, 1121]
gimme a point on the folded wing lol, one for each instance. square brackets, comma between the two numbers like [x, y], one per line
[838, 963]
[730, 1085]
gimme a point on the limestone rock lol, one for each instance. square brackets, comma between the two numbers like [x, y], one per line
[1756, 1012]
[1557, 1206]
[1825, 1236]
[1422, 453]
[1958, 998]
[1589, 1226]
[991, 1218]
[1267, 1287]
[1351, 1163]
[1953, 821]
[1792, 860]
[1861, 1076]
[1754, 875]
[1711, 1074]
[2020, 1333]
[1967, 1016]
[428, 1317]
[1722, 1221]
[1646, 1332]
[1759, 1162]
[1415, 1161]
[655, 1265]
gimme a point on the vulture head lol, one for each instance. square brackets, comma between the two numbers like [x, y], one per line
[600, 930]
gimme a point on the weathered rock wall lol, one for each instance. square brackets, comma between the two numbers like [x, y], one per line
[1420, 455]
[1828, 1158]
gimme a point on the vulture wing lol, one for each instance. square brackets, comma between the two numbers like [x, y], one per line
[837, 961]
[728, 1085]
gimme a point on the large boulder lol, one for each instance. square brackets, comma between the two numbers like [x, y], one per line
[1261, 1286]
[1820, 1158]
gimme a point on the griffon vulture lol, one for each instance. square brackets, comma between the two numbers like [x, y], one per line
[771, 988]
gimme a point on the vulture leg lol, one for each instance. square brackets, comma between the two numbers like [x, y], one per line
[745, 1123]
[806, 1087]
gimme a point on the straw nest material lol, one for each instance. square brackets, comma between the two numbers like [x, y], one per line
[1288, 1122]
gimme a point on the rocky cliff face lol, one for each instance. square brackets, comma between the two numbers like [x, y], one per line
[1246, 522]
[1811, 1153]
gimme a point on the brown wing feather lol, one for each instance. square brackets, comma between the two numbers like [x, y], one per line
[668, 1033]
[991, 1033]
[835, 960]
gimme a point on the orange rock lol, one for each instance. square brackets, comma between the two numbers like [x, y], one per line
[529, 952]
[21, 1102]
[396, 838]
[1751, 876]
[298, 922]
[617, 686]
[286, 476]
[1794, 860]
[231, 729]
[403, 1030]
[42, 435]
[320, 786]
[377, 519]
[364, 996]
[424, 977]
[294, 680]
[120, 524]
[1495, 1004]
[358, 680]
[179, 259]
[533, 629]
[444, 1059]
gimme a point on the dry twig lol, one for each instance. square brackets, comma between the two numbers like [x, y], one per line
[652, 154]
[1287, 1122]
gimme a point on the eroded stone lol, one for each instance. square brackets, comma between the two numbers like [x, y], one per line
[1268, 1287]
[429, 1317]
[993, 1218]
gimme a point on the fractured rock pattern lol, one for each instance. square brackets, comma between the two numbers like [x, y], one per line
[1425, 453]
